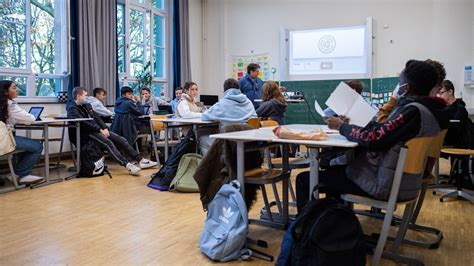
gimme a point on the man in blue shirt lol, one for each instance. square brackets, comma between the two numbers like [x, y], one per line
[251, 84]
[174, 103]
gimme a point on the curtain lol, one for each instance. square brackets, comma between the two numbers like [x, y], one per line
[181, 53]
[96, 45]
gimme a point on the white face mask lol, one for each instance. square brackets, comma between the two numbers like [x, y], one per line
[83, 101]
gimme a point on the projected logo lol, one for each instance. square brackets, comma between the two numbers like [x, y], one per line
[327, 44]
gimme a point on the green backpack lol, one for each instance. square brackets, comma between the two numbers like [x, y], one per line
[184, 181]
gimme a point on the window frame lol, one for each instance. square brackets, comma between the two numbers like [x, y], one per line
[27, 72]
[127, 77]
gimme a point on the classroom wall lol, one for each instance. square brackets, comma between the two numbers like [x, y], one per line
[438, 29]
[196, 37]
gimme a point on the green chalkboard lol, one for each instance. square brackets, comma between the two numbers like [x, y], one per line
[382, 89]
[384, 84]
[304, 113]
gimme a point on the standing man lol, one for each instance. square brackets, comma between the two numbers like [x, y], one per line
[251, 84]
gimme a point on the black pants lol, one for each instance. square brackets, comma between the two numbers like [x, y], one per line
[112, 142]
[333, 181]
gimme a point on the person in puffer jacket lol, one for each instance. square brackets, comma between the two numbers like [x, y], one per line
[371, 172]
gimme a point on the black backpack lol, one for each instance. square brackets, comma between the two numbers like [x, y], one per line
[162, 179]
[327, 233]
[90, 154]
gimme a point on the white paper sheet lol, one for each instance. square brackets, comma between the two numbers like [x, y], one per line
[347, 102]
[318, 108]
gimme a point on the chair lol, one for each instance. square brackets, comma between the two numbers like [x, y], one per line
[269, 123]
[156, 127]
[261, 177]
[457, 173]
[411, 160]
[254, 122]
[12, 172]
[433, 155]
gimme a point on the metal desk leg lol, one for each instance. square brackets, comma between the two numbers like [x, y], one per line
[46, 152]
[166, 140]
[241, 166]
[46, 160]
[313, 171]
[285, 184]
[78, 146]
[436, 172]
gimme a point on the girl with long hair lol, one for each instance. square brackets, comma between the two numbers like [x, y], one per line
[11, 114]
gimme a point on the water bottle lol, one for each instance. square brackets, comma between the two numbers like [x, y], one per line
[467, 74]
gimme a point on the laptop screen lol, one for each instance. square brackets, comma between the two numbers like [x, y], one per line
[36, 111]
[209, 99]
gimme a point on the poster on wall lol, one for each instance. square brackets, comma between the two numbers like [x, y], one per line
[239, 65]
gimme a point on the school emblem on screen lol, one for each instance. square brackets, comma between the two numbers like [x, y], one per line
[327, 44]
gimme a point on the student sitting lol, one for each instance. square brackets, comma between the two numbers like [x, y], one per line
[187, 106]
[274, 104]
[174, 103]
[97, 103]
[233, 108]
[96, 131]
[355, 85]
[148, 100]
[371, 172]
[387, 108]
[11, 114]
[459, 134]
[126, 121]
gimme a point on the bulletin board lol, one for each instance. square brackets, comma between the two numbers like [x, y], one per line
[239, 65]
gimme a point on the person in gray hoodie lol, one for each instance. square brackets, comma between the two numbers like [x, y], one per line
[274, 104]
[233, 108]
[97, 103]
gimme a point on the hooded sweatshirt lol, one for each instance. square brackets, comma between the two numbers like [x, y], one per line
[457, 132]
[99, 107]
[233, 108]
[273, 109]
[379, 145]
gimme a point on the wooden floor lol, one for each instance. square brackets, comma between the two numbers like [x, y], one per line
[120, 221]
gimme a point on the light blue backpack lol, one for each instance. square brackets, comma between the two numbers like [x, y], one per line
[225, 229]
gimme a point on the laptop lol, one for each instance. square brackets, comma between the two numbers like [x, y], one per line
[209, 100]
[164, 109]
[36, 112]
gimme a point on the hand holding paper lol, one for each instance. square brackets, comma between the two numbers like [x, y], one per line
[346, 102]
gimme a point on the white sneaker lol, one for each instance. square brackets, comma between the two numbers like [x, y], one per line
[30, 179]
[133, 169]
[145, 163]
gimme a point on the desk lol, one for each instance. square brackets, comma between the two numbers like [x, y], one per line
[44, 124]
[266, 134]
[179, 122]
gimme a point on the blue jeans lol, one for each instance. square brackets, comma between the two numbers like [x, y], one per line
[27, 159]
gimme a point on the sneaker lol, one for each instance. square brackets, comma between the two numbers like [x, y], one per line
[145, 163]
[30, 179]
[162, 184]
[133, 169]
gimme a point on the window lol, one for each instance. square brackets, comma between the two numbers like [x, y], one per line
[142, 35]
[33, 45]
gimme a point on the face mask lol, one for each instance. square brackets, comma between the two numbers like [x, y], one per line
[83, 101]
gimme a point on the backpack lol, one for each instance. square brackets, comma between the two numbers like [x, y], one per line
[327, 233]
[224, 235]
[92, 162]
[184, 181]
[7, 141]
[162, 179]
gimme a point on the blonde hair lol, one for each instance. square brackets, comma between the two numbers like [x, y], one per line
[271, 90]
